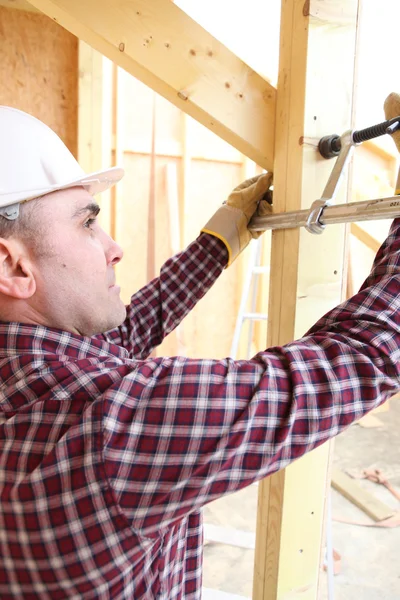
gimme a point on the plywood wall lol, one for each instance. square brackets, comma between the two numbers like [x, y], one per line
[39, 70]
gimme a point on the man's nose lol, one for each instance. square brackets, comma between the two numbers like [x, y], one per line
[116, 253]
[113, 251]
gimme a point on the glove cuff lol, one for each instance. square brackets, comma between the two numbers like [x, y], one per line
[397, 192]
[229, 224]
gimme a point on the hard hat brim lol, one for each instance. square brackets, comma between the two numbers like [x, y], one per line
[94, 183]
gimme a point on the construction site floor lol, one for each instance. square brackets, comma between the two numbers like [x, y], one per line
[370, 557]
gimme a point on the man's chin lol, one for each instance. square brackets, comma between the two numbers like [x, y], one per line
[120, 317]
[115, 321]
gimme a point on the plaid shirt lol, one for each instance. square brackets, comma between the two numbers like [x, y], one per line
[107, 457]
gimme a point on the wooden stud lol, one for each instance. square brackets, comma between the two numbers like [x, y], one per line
[151, 218]
[315, 88]
[118, 140]
[186, 165]
[95, 120]
[163, 47]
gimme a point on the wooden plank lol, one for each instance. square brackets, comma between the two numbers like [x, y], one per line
[315, 88]
[163, 47]
[374, 508]
[94, 115]
[95, 143]
[185, 179]
[118, 141]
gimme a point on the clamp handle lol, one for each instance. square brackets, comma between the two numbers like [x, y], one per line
[330, 145]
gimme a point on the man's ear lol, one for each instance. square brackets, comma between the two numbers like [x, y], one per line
[16, 275]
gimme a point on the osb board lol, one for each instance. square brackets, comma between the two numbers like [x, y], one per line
[39, 70]
[20, 4]
[210, 184]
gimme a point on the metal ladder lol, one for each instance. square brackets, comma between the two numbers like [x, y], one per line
[253, 271]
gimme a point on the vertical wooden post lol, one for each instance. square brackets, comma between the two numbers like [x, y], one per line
[186, 167]
[314, 98]
[118, 117]
[95, 118]
[151, 219]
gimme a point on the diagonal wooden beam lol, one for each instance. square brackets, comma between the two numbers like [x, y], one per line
[168, 51]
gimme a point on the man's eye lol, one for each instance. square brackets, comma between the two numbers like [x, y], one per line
[89, 223]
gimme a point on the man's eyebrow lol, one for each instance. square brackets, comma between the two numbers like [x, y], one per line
[93, 208]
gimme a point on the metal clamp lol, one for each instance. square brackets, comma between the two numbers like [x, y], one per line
[323, 211]
[314, 224]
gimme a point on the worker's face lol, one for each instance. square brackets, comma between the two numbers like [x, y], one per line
[74, 269]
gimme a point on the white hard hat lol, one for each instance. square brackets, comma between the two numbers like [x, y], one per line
[34, 161]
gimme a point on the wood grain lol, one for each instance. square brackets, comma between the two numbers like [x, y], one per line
[39, 70]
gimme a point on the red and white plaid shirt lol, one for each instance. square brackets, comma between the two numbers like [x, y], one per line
[107, 457]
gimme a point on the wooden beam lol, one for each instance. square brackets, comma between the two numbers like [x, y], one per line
[314, 97]
[163, 47]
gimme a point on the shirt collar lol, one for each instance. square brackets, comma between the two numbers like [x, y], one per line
[21, 338]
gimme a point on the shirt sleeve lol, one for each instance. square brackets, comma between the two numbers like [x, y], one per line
[159, 307]
[179, 433]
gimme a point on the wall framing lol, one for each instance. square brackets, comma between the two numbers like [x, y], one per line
[168, 51]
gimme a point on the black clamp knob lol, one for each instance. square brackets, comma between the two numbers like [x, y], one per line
[330, 146]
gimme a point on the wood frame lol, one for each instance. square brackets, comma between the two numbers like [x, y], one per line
[217, 89]
[163, 47]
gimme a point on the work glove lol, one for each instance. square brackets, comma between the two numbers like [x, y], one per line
[230, 222]
[392, 109]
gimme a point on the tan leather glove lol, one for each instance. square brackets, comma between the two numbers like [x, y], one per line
[229, 223]
[392, 109]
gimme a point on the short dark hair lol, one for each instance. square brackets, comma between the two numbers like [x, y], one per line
[27, 227]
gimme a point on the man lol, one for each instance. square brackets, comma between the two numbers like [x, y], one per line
[106, 456]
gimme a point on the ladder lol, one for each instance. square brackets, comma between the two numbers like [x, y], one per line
[253, 271]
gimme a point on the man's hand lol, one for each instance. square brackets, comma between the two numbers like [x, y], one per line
[392, 109]
[230, 222]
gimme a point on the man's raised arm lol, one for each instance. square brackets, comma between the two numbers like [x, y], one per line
[159, 307]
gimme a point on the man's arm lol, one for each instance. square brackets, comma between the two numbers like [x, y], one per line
[159, 307]
[179, 433]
